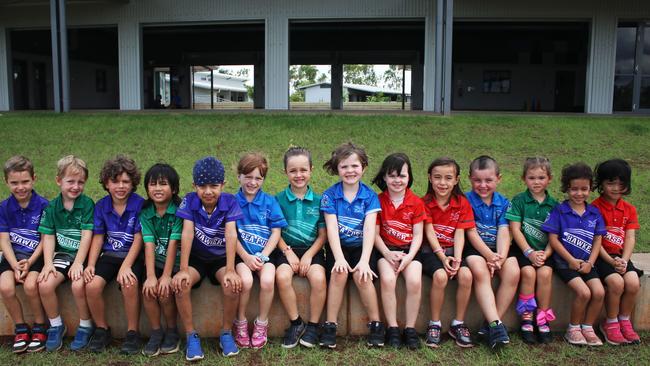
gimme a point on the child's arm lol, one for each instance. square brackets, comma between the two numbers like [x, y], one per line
[332, 225]
[292, 258]
[437, 249]
[93, 254]
[125, 276]
[459, 246]
[481, 247]
[48, 243]
[520, 239]
[392, 257]
[77, 268]
[562, 252]
[149, 287]
[415, 246]
[165, 280]
[628, 244]
[272, 243]
[9, 255]
[182, 278]
[231, 278]
[369, 226]
[253, 262]
[595, 251]
[503, 243]
[305, 260]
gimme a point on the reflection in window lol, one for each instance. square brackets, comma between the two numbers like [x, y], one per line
[625, 50]
[496, 81]
[623, 93]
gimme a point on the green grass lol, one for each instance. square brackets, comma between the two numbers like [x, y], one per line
[180, 138]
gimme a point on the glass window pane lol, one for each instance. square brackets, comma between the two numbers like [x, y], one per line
[625, 50]
[644, 100]
[644, 63]
[623, 93]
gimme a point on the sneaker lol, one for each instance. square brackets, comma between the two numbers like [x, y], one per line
[574, 336]
[292, 335]
[131, 344]
[328, 338]
[81, 338]
[227, 344]
[612, 333]
[433, 336]
[527, 331]
[193, 352]
[259, 336]
[628, 332]
[309, 338]
[411, 339]
[498, 335]
[39, 338]
[461, 334]
[55, 338]
[101, 338]
[22, 338]
[483, 332]
[591, 337]
[152, 348]
[393, 337]
[376, 335]
[241, 333]
[171, 343]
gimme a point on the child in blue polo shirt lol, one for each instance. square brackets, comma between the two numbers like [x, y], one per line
[488, 254]
[21, 253]
[208, 249]
[350, 208]
[258, 232]
[575, 230]
[115, 252]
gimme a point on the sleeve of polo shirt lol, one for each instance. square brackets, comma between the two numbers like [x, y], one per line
[138, 227]
[600, 229]
[501, 220]
[373, 204]
[552, 223]
[99, 226]
[234, 213]
[277, 217]
[419, 213]
[46, 226]
[515, 210]
[327, 204]
[183, 210]
[87, 216]
[321, 220]
[177, 229]
[466, 215]
[633, 220]
[4, 225]
[428, 218]
[147, 230]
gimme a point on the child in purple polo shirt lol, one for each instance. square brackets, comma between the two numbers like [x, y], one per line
[115, 252]
[21, 260]
[208, 246]
[575, 230]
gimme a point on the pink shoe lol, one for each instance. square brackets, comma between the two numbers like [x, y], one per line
[591, 337]
[612, 333]
[259, 339]
[574, 336]
[242, 338]
[628, 332]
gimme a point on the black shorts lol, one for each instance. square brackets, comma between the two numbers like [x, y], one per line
[352, 256]
[36, 267]
[604, 269]
[107, 268]
[568, 274]
[159, 271]
[470, 250]
[431, 263]
[207, 268]
[418, 256]
[318, 258]
[524, 261]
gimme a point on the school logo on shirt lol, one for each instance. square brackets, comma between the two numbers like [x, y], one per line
[358, 208]
[455, 216]
[408, 216]
[312, 211]
[183, 204]
[591, 223]
[264, 215]
[131, 222]
[36, 219]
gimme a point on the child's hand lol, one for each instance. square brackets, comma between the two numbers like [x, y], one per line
[537, 258]
[253, 262]
[585, 267]
[575, 264]
[620, 265]
[89, 274]
[406, 260]
[451, 267]
[181, 281]
[45, 273]
[18, 276]
[126, 278]
[341, 266]
[149, 288]
[293, 260]
[164, 286]
[76, 271]
[305, 263]
[364, 271]
[394, 257]
[232, 280]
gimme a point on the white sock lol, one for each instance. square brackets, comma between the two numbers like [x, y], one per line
[456, 322]
[86, 323]
[260, 322]
[437, 322]
[612, 320]
[623, 317]
[56, 322]
[574, 326]
[586, 326]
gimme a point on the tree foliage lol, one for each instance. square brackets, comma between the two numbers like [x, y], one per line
[359, 74]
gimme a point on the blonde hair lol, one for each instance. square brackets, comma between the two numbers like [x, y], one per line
[71, 164]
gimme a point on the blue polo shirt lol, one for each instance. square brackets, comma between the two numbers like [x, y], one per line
[489, 218]
[260, 215]
[575, 232]
[118, 230]
[22, 223]
[350, 215]
[209, 231]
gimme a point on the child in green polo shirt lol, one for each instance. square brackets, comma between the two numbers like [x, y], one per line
[66, 226]
[161, 233]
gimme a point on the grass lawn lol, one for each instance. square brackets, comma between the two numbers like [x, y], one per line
[181, 138]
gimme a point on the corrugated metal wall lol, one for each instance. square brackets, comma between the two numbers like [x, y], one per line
[4, 74]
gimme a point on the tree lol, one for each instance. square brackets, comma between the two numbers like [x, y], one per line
[302, 75]
[359, 74]
[393, 77]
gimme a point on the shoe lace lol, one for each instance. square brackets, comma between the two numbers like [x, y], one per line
[433, 332]
[242, 331]
[259, 330]
[463, 331]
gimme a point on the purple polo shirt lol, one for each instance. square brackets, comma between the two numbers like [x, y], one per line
[22, 223]
[209, 231]
[260, 216]
[118, 230]
[575, 232]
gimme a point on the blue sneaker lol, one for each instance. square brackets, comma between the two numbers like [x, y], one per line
[498, 335]
[82, 338]
[55, 338]
[193, 351]
[227, 344]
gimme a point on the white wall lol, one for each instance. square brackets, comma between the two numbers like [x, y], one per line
[316, 94]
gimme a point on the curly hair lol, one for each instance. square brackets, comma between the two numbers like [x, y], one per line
[575, 171]
[115, 167]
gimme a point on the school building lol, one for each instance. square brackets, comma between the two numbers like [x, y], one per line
[585, 56]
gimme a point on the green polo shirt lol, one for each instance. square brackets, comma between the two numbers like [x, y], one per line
[531, 214]
[66, 225]
[303, 216]
[160, 230]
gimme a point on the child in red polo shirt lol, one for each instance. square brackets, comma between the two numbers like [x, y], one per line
[398, 238]
[613, 179]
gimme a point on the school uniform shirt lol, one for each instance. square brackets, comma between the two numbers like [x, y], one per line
[525, 209]
[396, 223]
[350, 215]
[457, 215]
[66, 225]
[489, 218]
[618, 219]
[159, 231]
[209, 230]
[260, 216]
[118, 231]
[303, 216]
[22, 223]
[575, 232]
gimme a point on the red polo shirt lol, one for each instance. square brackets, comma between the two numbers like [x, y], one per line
[618, 219]
[458, 215]
[396, 224]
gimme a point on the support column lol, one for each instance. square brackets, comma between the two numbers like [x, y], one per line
[447, 63]
[336, 88]
[56, 58]
[599, 88]
[130, 65]
[5, 88]
[63, 56]
[276, 63]
[258, 80]
[429, 80]
[417, 79]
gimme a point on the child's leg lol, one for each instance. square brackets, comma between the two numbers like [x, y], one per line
[464, 292]
[615, 287]
[247, 283]
[632, 287]
[131, 296]
[78, 288]
[413, 279]
[95, 298]
[596, 302]
[335, 291]
[528, 277]
[388, 280]
[152, 310]
[47, 291]
[284, 279]
[9, 298]
[184, 303]
[368, 296]
[437, 294]
[579, 304]
[230, 301]
[318, 294]
[169, 311]
[33, 297]
[267, 287]
[509, 279]
[483, 287]
[544, 287]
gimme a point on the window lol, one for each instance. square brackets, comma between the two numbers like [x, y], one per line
[100, 81]
[496, 81]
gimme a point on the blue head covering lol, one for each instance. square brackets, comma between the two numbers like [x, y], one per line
[208, 170]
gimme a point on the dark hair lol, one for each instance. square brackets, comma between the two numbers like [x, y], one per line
[159, 172]
[537, 162]
[114, 167]
[612, 169]
[253, 160]
[18, 163]
[393, 163]
[576, 171]
[343, 152]
[484, 162]
[296, 151]
[443, 161]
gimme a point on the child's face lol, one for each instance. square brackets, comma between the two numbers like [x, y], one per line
[20, 185]
[613, 190]
[298, 171]
[484, 182]
[251, 183]
[350, 170]
[443, 179]
[578, 191]
[397, 182]
[120, 187]
[71, 184]
[159, 191]
[209, 193]
[537, 179]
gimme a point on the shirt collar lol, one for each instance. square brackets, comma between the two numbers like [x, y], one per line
[309, 195]
[59, 203]
[565, 207]
[608, 206]
[362, 193]
[15, 206]
[406, 202]
[497, 199]
[258, 200]
[133, 203]
[150, 211]
[530, 199]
